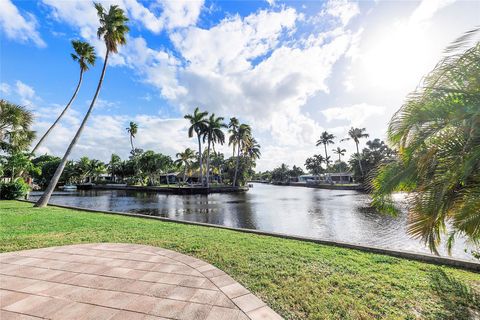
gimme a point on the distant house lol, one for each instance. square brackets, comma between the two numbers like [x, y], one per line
[340, 177]
[169, 178]
[330, 178]
[308, 178]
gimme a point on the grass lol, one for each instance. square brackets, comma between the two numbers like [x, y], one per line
[297, 279]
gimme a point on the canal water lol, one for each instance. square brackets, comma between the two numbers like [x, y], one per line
[325, 214]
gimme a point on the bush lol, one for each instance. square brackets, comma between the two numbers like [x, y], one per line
[13, 190]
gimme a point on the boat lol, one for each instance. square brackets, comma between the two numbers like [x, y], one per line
[69, 187]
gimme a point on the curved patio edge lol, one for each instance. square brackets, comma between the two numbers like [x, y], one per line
[121, 281]
[422, 257]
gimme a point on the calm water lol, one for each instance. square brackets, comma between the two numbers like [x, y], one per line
[326, 214]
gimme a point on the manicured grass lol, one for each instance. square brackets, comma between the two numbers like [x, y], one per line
[299, 280]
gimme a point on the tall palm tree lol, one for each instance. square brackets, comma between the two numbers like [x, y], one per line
[85, 56]
[185, 159]
[356, 134]
[198, 123]
[113, 30]
[242, 136]
[233, 127]
[15, 123]
[132, 130]
[213, 134]
[325, 139]
[340, 152]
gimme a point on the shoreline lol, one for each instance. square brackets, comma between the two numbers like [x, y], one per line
[170, 190]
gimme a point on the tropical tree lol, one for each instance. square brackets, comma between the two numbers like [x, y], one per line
[82, 168]
[18, 162]
[437, 134]
[96, 169]
[340, 152]
[295, 172]
[252, 148]
[132, 130]
[85, 56]
[213, 134]
[281, 174]
[113, 30]
[198, 124]
[375, 153]
[242, 137]
[356, 134]
[233, 128]
[15, 123]
[325, 139]
[218, 161]
[113, 165]
[185, 159]
[314, 164]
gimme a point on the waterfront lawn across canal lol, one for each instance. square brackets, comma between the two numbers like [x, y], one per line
[300, 280]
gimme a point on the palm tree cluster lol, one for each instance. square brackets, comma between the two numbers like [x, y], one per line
[113, 31]
[314, 164]
[209, 130]
[437, 133]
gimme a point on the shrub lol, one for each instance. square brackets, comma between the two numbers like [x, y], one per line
[13, 190]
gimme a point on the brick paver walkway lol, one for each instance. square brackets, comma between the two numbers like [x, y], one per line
[120, 281]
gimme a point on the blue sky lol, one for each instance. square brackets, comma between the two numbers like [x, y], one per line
[290, 69]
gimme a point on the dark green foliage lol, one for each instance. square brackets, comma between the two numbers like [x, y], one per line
[245, 170]
[376, 153]
[314, 164]
[437, 133]
[13, 190]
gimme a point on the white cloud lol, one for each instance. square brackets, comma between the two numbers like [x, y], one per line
[174, 14]
[427, 9]
[19, 27]
[343, 10]
[182, 13]
[356, 115]
[4, 88]
[25, 93]
[229, 46]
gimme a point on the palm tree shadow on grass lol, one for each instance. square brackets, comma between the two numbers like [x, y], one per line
[459, 301]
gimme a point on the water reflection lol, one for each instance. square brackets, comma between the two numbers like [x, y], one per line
[327, 214]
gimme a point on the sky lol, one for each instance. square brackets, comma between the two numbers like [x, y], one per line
[290, 69]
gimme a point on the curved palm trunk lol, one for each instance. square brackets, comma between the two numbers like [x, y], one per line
[42, 202]
[61, 114]
[236, 166]
[208, 163]
[200, 161]
[326, 155]
[184, 173]
[359, 160]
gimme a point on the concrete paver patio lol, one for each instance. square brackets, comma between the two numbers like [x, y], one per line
[120, 281]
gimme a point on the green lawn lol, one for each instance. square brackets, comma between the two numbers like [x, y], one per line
[297, 279]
